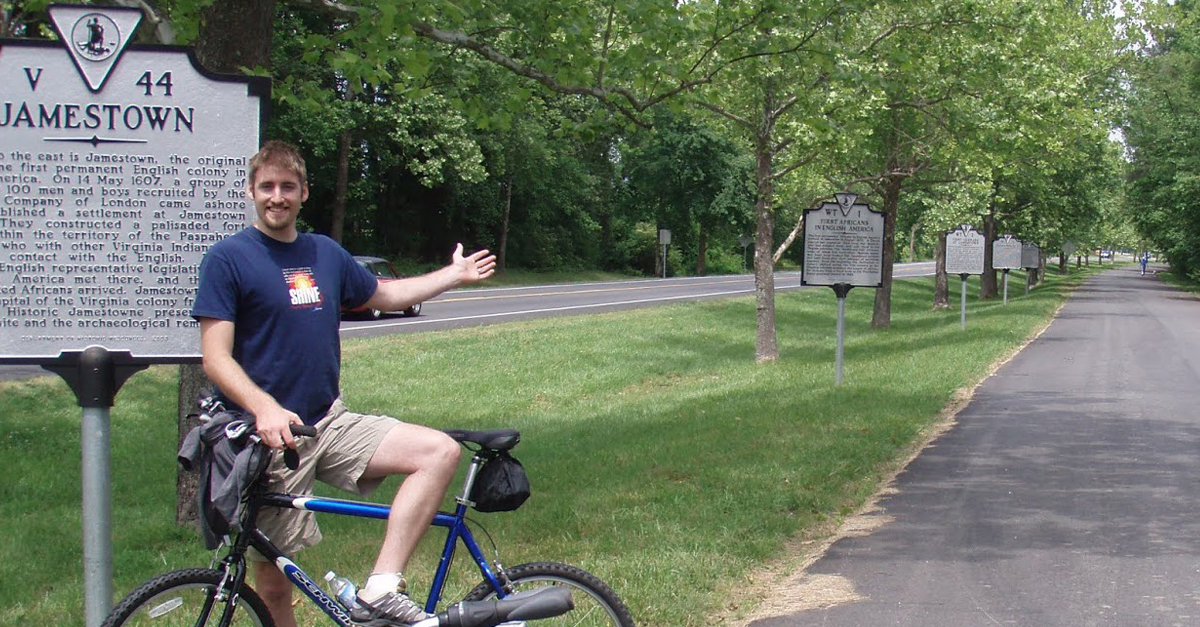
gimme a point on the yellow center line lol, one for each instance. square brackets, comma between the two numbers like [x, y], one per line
[590, 291]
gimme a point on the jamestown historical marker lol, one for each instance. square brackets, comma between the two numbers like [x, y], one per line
[120, 165]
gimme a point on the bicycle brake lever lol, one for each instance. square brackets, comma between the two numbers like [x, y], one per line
[291, 458]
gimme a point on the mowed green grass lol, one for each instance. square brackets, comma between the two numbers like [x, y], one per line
[663, 458]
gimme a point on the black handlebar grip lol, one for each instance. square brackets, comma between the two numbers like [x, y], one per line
[532, 605]
[304, 430]
[541, 603]
[291, 458]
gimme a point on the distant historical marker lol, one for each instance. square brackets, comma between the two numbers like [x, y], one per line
[964, 257]
[1006, 253]
[1031, 256]
[964, 251]
[120, 165]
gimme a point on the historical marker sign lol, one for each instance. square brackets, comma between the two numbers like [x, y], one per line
[1006, 253]
[1031, 256]
[120, 165]
[843, 244]
[964, 251]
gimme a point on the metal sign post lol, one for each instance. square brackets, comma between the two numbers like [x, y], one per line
[95, 375]
[843, 249]
[745, 241]
[840, 290]
[123, 163]
[1006, 255]
[964, 257]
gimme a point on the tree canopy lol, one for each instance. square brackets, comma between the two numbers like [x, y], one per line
[564, 134]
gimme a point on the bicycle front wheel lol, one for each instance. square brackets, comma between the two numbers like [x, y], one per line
[186, 598]
[596, 605]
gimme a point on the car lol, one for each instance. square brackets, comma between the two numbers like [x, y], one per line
[383, 270]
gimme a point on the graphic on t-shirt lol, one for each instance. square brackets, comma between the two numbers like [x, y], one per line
[302, 288]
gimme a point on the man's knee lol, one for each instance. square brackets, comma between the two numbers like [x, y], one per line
[272, 585]
[447, 453]
[410, 449]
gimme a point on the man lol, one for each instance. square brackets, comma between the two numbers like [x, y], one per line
[268, 305]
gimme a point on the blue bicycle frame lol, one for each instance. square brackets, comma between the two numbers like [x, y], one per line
[457, 530]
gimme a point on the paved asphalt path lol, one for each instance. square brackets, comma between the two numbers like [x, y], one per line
[1068, 492]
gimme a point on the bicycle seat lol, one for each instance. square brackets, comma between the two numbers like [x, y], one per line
[495, 439]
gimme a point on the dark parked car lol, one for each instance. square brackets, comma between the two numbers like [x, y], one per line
[381, 268]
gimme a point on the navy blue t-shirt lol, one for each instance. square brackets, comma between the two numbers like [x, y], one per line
[284, 301]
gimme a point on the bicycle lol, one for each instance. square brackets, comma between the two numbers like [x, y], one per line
[540, 590]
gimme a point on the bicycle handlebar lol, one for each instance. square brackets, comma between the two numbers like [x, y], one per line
[291, 458]
[308, 431]
[531, 605]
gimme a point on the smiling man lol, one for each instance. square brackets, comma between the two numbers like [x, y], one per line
[268, 305]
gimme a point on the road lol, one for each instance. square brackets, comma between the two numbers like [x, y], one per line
[482, 305]
[479, 306]
[1066, 495]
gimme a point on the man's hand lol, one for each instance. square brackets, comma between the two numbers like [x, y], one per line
[274, 427]
[476, 267]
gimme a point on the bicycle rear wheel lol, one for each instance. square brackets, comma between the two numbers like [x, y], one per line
[596, 605]
[185, 598]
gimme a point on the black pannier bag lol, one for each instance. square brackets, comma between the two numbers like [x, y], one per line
[501, 485]
[228, 460]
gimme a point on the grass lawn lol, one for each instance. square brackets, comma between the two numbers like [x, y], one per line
[663, 458]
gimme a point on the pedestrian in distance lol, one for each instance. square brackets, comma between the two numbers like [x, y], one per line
[1144, 260]
[268, 305]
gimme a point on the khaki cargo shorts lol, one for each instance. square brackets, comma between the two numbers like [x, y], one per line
[338, 456]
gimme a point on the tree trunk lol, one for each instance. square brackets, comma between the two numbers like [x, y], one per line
[702, 253]
[987, 282]
[234, 34]
[912, 243]
[766, 346]
[337, 219]
[502, 254]
[881, 318]
[192, 384]
[941, 290]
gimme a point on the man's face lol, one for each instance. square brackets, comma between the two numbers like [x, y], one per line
[277, 194]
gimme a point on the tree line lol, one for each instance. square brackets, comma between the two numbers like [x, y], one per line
[566, 133]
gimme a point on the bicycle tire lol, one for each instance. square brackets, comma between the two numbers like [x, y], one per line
[178, 599]
[596, 605]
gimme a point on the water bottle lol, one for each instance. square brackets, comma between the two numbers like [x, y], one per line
[344, 589]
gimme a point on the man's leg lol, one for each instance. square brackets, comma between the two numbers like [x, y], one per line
[276, 591]
[429, 458]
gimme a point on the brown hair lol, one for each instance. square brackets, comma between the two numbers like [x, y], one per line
[281, 155]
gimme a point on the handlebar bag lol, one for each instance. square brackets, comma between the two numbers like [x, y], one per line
[501, 485]
[228, 462]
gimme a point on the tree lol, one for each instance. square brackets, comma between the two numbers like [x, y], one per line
[692, 180]
[1163, 138]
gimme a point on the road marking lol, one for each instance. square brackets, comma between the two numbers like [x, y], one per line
[507, 314]
[555, 309]
[460, 299]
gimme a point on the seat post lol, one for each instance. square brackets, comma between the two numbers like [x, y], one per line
[469, 481]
